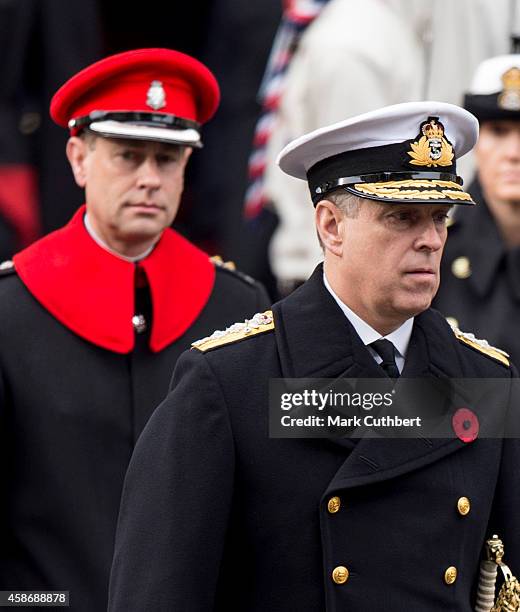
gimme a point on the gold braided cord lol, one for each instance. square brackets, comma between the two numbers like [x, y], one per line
[397, 190]
[508, 597]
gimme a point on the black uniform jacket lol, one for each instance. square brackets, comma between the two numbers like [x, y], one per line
[71, 410]
[480, 278]
[217, 516]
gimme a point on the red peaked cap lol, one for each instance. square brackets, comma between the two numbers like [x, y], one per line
[121, 83]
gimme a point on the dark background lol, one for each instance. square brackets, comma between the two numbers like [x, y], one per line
[44, 42]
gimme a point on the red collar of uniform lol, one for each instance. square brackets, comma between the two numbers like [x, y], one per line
[91, 291]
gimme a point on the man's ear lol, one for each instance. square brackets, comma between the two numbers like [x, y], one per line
[77, 152]
[188, 152]
[329, 221]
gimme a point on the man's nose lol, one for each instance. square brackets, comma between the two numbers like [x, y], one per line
[431, 238]
[149, 176]
[513, 145]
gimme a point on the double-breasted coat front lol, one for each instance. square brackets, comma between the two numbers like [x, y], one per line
[216, 515]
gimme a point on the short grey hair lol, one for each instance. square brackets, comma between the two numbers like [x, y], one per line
[348, 203]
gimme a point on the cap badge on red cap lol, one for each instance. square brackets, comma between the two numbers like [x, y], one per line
[156, 97]
[432, 148]
[509, 99]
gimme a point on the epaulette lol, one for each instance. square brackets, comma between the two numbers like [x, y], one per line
[229, 266]
[260, 323]
[7, 267]
[482, 345]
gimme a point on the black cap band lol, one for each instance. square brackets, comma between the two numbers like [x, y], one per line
[382, 177]
[371, 165]
[149, 119]
[487, 108]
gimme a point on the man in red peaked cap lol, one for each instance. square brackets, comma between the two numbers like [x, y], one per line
[94, 316]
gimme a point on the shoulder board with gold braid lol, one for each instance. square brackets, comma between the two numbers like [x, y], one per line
[482, 345]
[260, 323]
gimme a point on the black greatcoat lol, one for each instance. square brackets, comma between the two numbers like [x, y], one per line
[216, 516]
[70, 414]
[480, 278]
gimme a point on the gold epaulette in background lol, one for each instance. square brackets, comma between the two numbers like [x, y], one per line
[218, 261]
[260, 323]
[482, 345]
[230, 267]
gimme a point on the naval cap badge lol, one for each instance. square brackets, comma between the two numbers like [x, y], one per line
[432, 148]
[156, 96]
[509, 99]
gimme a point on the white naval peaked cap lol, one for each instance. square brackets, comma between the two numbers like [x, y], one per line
[495, 90]
[401, 153]
[489, 74]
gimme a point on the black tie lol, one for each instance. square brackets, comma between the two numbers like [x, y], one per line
[386, 350]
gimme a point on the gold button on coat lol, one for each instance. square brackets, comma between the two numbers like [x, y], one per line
[463, 506]
[461, 267]
[334, 504]
[340, 574]
[450, 575]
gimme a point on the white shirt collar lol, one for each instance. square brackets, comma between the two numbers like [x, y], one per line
[104, 245]
[400, 337]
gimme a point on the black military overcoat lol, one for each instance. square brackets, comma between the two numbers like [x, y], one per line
[217, 516]
[70, 414]
[480, 278]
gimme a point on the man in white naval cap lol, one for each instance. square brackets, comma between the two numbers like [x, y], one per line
[480, 286]
[236, 519]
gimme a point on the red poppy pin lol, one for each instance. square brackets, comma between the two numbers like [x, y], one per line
[465, 425]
